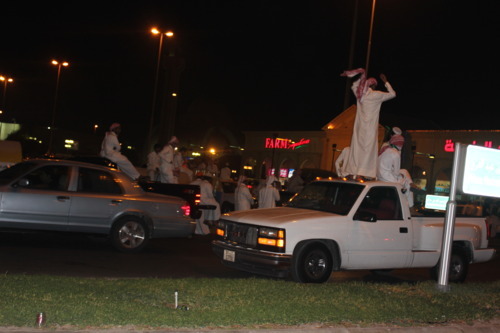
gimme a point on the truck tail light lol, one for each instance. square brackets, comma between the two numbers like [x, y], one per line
[488, 230]
[197, 199]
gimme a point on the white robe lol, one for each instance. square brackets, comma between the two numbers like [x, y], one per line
[153, 166]
[243, 198]
[268, 195]
[341, 161]
[167, 165]
[110, 149]
[389, 165]
[206, 198]
[364, 142]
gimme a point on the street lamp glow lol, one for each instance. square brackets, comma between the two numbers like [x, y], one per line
[169, 34]
[59, 66]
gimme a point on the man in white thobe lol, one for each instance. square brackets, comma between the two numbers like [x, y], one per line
[362, 160]
[243, 199]
[269, 194]
[167, 162]
[110, 149]
[153, 163]
[206, 198]
[389, 162]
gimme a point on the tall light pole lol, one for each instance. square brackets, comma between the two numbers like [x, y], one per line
[59, 66]
[370, 37]
[168, 34]
[5, 81]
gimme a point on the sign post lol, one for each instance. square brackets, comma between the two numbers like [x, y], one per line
[477, 171]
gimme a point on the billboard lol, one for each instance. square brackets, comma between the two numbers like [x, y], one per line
[481, 171]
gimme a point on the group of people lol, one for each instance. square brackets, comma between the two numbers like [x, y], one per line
[363, 158]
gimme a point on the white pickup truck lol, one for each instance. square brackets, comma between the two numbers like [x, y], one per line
[334, 225]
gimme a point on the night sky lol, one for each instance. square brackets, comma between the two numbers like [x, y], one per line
[250, 65]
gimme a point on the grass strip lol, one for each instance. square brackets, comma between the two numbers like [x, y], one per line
[241, 303]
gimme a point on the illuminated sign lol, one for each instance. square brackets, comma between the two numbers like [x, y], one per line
[449, 145]
[279, 143]
[482, 171]
[436, 202]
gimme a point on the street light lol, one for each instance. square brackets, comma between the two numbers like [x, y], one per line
[5, 81]
[370, 37]
[59, 66]
[169, 34]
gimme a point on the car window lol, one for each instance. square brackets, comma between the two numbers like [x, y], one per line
[97, 181]
[330, 197]
[383, 201]
[49, 177]
[14, 172]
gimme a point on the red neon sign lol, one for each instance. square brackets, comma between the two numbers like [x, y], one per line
[449, 145]
[278, 143]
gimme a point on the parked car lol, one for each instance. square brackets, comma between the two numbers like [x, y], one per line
[72, 196]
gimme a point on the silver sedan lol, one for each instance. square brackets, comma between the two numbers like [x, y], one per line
[72, 196]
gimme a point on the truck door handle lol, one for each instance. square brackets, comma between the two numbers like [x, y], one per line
[116, 201]
[403, 230]
[62, 198]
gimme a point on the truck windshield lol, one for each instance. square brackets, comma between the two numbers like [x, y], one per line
[332, 197]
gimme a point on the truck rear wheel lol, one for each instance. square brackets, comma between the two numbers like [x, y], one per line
[459, 266]
[312, 264]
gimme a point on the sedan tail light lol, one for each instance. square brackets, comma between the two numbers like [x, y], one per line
[186, 210]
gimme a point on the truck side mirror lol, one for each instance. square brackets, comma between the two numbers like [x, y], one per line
[365, 216]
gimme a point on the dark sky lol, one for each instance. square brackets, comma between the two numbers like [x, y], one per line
[250, 65]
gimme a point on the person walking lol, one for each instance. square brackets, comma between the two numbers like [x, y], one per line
[362, 159]
[111, 149]
[269, 194]
[243, 199]
[167, 161]
[206, 198]
[153, 163]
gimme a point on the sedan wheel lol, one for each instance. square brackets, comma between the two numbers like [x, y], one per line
[130, 234]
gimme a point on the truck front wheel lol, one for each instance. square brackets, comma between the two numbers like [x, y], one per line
[459, 266]
[312, 264]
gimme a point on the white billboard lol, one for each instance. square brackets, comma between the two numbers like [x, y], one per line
[481, 173]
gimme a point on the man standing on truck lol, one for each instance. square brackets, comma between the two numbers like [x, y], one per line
[389, 162]
[110, 149]
[362, 159]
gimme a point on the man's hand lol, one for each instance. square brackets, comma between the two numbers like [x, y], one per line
[383, 78]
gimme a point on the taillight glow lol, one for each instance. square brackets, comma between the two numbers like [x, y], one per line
[186, 210]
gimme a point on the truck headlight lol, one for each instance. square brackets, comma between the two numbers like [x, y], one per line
[220, 228]
[271, 237]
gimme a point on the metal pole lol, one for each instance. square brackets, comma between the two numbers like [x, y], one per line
[155, 90]
[449, 225]
[351, 55]
[49, 151]
[370, 38]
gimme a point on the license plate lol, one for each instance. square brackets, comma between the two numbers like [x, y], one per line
[229, 255]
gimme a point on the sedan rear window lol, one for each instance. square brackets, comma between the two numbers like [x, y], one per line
[97, 181]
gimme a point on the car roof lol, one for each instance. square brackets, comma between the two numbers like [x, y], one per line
[43, 161]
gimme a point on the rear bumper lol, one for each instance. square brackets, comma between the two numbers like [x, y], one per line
[253, 261]
[482, 255]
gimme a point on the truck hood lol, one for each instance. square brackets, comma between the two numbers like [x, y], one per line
[276, 217]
